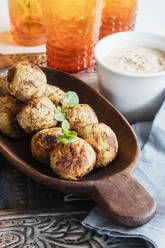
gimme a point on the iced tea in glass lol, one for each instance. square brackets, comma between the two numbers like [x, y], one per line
[118, 16]
[26, 20]
[72, 30]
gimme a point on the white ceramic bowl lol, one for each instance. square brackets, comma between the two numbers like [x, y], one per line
[136, 96]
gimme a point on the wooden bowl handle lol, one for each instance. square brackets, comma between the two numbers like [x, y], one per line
[125, 200]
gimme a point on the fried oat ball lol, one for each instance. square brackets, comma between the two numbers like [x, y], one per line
[54, 94]
[81, 115]
[74, 160]
[43, 142]
[3, 84]
[38, 114]
[9, 107]
[103, 140]
[26, 81]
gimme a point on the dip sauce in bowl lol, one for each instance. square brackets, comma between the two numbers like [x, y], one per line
[136, 60]
[131, 73]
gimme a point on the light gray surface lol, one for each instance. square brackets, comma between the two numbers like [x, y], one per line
[151, 174]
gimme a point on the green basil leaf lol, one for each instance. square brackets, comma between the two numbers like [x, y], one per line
[67, 136]
[65, 140]
[60, 115]
[65, 125]
[71, 134]
[70, 99]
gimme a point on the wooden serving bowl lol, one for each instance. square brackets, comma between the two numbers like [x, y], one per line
[112, 187]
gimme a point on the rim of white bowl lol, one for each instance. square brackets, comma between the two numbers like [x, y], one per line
[125, 74]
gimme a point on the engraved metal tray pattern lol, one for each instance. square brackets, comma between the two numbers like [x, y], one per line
[48, 229]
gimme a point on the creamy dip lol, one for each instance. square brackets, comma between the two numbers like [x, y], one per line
[136, 60]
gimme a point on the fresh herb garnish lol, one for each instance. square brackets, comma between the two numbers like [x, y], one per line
[67, 135]
[70, 99]
[65, 125]
[60, 114]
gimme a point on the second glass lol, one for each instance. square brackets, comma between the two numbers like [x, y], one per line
[118, 16]
[72, 30]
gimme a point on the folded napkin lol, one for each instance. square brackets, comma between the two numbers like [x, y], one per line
[150, 173]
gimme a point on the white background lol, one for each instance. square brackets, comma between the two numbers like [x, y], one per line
[151, 18]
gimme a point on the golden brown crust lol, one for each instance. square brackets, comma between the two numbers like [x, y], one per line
[103, 140]
[3, 84]
[43, 142]
[9, 108]
[26, 81]
[11, 74]
[72, 161]
[81, 115]
[38, 114]
[54, 94]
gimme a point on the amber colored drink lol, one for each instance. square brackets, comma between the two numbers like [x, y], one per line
[118, 16]
[72, 30]
[26, 19]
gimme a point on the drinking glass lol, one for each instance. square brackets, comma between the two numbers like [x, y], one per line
[118, 16]
[26, 20]
[72, 30]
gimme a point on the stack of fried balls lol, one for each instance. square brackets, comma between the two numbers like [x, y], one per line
[65, 135]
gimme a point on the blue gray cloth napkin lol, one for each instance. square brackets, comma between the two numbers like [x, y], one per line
[150, 173]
